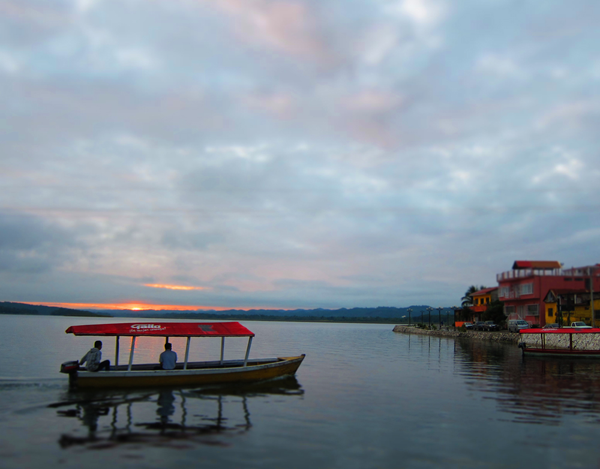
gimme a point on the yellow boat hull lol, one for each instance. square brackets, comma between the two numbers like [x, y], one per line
[283, 366]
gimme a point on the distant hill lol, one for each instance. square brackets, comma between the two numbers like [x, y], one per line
[385, 314]
[381, 313]
[39, 310]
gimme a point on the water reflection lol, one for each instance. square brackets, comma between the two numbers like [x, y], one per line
[532, 390]
[167, 417]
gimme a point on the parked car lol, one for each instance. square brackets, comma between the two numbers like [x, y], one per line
[580, 325]
[479, 326]
[468, 325]
[551, 326]
[491, 326]
[515, 325]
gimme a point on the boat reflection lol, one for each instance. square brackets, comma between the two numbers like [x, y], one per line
[538, 390]
[168, 417]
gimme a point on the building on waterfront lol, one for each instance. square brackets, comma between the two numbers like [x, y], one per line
[480, 302]
[524, 289]
[483, 298]
[565, 306]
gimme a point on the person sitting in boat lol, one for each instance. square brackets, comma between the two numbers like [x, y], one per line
[168, 359]
[93, 358]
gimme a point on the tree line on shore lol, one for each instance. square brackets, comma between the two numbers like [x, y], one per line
[379, 314]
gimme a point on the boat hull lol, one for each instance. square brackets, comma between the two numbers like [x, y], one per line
[224, 373]
[561, 353]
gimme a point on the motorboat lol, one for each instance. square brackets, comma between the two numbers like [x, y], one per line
[561, 342]
[186, 373]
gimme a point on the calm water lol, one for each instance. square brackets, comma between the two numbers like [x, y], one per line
[365, 397]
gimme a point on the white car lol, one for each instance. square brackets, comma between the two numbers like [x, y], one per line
[580, 325]
[515, 325]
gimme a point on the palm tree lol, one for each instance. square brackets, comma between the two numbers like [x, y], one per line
[467, 300]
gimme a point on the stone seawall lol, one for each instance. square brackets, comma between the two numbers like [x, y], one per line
[502, 336]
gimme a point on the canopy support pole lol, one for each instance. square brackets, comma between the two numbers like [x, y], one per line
[117, 352]
[248, 351]
[222, 349]
[166, 339]
[131, 352]
[187, 353]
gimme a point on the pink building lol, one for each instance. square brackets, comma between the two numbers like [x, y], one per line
[524, 288]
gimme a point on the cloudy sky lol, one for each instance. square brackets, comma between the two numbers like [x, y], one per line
[293, 153]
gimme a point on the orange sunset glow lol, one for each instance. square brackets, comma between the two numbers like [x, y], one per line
[132, 306]
[173, 287]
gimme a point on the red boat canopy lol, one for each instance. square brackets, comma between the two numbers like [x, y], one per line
[561, 330]
[164, 329]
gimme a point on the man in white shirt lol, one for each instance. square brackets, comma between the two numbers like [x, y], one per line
[168, 359]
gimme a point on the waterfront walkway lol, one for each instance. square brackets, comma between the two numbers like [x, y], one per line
[501, 336]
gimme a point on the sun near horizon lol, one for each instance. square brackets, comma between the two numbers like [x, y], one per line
[131, 306]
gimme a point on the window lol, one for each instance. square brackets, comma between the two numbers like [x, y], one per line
[533, 310]
[550, 312]
[504, 292]
[526, 288]
[509, 310]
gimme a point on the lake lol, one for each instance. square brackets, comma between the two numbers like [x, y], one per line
[365, 397]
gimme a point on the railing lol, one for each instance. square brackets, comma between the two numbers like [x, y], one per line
[511, 295]
[524, 273]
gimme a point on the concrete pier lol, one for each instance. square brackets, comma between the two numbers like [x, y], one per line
[501, 336]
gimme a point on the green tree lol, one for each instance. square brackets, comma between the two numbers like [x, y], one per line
[466, 314]
[495, 312]
[467, 300]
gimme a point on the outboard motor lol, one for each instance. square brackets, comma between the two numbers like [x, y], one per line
[71, 368]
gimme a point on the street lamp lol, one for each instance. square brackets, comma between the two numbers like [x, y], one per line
[454, 316]
[409, 311]
[440, 317]
[429, 309]
[591, 274]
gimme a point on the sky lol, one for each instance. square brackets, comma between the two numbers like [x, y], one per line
[283, 154]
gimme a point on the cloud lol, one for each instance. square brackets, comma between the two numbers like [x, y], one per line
[289, 27]
[291, 153]
[29, 245]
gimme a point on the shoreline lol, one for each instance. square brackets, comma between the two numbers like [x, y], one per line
[501, 336]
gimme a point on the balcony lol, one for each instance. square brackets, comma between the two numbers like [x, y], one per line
[524, 273]
[510, 296]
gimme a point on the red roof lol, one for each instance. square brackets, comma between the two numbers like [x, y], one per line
[536, 265]
[164, 329]
[485, 291]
